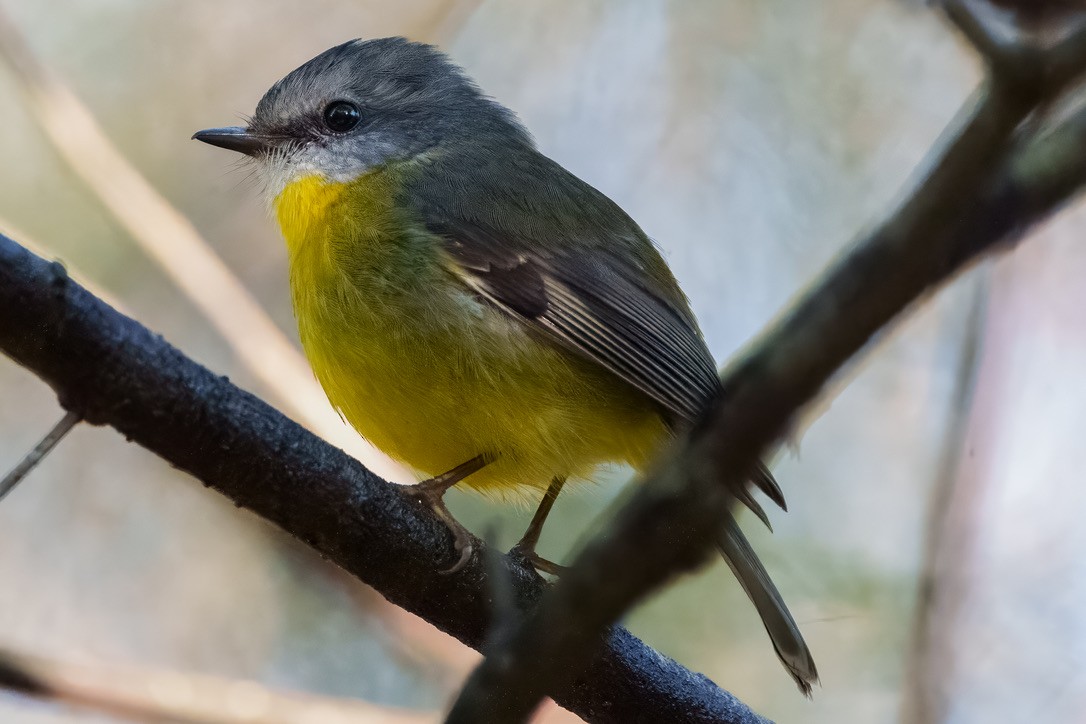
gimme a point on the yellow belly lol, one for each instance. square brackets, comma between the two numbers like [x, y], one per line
[430, 374]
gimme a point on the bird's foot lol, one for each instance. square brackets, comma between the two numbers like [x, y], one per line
[432, 493]
[525, 549]
[433, 496]
[541, 564]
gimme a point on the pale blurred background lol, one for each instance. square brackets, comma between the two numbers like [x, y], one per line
[752, 139]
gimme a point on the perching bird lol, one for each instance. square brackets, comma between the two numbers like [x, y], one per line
[472, 308]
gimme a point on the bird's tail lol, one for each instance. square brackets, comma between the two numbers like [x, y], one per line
[783, 631]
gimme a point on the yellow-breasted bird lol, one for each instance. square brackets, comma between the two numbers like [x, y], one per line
[469, 306]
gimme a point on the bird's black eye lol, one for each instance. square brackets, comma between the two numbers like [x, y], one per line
[341, 116]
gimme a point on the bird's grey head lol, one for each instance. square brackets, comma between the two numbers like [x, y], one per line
[363, 104]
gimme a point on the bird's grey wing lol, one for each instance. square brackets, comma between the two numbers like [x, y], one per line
[592, 302]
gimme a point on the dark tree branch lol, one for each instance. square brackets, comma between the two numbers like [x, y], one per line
[1020, 52]
[976, 23]
[983, 191]
[110, 370]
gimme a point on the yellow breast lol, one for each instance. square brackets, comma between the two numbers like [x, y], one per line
[427, 372]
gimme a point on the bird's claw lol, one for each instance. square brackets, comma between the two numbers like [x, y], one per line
[462, 543]
[535, 560]
[433, 496]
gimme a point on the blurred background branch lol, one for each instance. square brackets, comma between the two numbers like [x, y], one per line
[143, 694]
[980, 192]
[927, 661]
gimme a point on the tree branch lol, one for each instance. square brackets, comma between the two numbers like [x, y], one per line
[976, 25]
[983, 190]
[110, 370]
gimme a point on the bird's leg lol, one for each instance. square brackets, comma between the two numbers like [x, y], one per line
[432, 492]
[528, 542]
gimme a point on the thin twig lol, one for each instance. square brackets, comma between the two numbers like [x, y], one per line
[36, 455]
[150, 695]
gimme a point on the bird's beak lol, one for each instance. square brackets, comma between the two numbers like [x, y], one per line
[235, 138]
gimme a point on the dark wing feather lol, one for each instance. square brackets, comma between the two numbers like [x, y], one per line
[592, 303]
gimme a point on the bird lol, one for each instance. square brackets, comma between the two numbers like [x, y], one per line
[472, 308]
